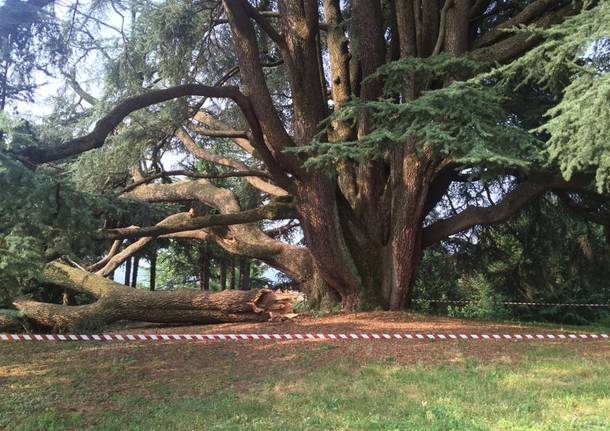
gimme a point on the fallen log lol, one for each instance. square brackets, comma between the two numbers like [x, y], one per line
[116, 302]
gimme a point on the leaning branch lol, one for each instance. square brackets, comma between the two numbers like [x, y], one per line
[480, 216]
[183, 222]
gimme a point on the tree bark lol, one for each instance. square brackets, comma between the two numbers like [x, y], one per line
[204, 267]
[244, 274]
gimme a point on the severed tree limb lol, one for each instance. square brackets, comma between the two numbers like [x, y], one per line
[117, 302]
[241, 239]
[118, 259]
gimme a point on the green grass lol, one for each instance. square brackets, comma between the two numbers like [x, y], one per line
[542, 387]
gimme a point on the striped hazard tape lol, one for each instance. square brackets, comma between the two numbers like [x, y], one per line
[298, 337]
[550, 304]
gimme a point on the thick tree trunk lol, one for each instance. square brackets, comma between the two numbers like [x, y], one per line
[116, 302]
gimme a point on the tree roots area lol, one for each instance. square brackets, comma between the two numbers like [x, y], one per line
[310, 385]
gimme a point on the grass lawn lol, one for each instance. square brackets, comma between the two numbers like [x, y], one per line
[306, 386]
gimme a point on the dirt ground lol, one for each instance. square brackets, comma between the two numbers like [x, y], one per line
[239, 363]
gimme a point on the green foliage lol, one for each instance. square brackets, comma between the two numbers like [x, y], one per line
[545, 254]
[573, 62]
[467, 120]
[486, 303]
[30, 39]
[579, 129]
[44, 217]
[15, 133]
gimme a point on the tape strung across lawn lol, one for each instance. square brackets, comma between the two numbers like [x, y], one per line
[549, 304]
[301, 337]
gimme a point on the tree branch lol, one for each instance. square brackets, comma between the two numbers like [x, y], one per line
[146, 180]
[511, 204]
[213, 123]
[183, 222]
[107, 124]
[199, 152]
[512, 47]
[219, 133]
[113, 250]
[442, 28]
[530, 12]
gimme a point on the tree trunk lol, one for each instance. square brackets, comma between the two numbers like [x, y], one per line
[244, 274]
[134, 275]
[223, 274]
[153, 270]
[116, 302]
[204, 268]
[128, 272]
[232, 273]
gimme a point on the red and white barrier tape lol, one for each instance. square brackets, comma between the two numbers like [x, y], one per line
[553, 304]
[299, 337]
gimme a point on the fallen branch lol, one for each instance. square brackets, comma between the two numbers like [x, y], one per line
[117, 302]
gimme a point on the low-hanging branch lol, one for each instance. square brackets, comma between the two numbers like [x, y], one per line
[185, 173]
[183, 222]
